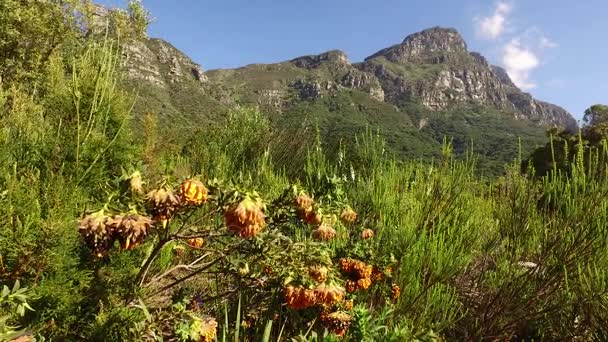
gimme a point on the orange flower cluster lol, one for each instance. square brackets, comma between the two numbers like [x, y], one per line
[193, 192]
[99, 231]
[304, 208]
[130, 229]
[96, 234]
[329, 295]
[324, 233]
[298, 297]
[358, 272]
[245, 219]
[302, 298]
[336, 322]
[348, 216]
[303, 203]
[163, 204]
[367, 234]
[313, 218]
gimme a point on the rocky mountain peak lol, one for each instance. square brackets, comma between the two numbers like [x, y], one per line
[313, 61]
[436, 39]
[432, 45]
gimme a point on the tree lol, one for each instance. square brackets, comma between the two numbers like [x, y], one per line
[596, 120]
[596, 114]
[31, 31]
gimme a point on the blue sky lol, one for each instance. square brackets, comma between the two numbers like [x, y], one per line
[555, 49]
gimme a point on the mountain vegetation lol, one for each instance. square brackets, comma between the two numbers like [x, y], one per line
[309, 200]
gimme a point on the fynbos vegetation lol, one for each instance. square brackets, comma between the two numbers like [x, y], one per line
[119, 228]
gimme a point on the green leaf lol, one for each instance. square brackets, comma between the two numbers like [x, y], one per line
[5, 292]
[267, 331]
[16, 286]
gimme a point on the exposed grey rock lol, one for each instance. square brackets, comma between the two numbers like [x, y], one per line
[140, 64]
[457, 76]
[433, 45]
[272, 97]
[198, 74]
[336, 56]
[312, 89]
[363, 81]
[502, 76]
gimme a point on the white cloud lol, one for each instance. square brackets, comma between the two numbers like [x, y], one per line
[546, 43]
[493, 26]
[519, 62]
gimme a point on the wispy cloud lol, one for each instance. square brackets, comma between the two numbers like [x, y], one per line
[491, 27]
[523, 54]
[546, 43]
[522, 51]
[519, 62]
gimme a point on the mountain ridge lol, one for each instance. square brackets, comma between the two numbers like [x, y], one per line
[418, 91]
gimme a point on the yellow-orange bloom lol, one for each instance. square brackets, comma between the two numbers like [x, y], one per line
[367, 234]
[395, 292]
[193, 192]
[298, 297]
[318, 273]
[303, 203]
[196, 242]
[245, 219]
[130, 229]
[348, 216]
[337, 322]
[329, 295]
[163, 203]
[324, 233]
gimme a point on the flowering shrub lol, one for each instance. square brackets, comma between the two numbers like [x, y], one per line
[226, 242]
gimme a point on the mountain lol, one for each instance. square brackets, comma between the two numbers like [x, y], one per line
[416, 92]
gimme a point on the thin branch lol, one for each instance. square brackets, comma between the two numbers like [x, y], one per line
[173, 269]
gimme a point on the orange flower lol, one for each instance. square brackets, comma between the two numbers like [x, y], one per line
[130, 229]
[358, 272]
[395, 292]
[97, 234]
[196, 242]
[377, 275]
[207, 329]
[364, 283]
[298, 297]
[337, 322]
[313, 218]
[193, 192]
[348, 304]
[245, 219]
[324, 233]
[355, 268]
[367, 234]
[329, 295]
[163, 204]
[348, 216]
[304, 203]
[318, 273]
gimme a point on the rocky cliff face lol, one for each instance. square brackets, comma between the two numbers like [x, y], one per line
[435, 68]
[432, 67]
[160, 63]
